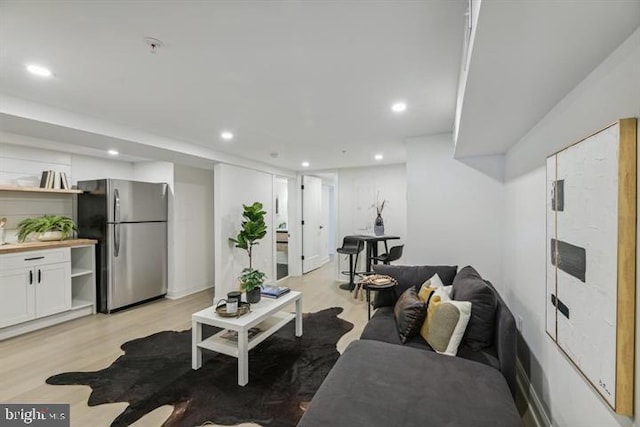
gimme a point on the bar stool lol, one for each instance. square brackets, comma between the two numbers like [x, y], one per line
[351, 246]
[394, 254]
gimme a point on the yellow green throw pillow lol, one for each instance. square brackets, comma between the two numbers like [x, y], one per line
[445, 325]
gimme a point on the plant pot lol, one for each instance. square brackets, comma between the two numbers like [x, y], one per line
[253, 296]
[50, 236]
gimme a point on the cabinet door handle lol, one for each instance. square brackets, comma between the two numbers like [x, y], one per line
[31, 277]
[39, 275]
[34, 258]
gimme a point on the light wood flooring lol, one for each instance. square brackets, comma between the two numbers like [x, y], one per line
[93, 343]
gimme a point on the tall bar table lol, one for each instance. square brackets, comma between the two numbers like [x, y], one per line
[371, 243]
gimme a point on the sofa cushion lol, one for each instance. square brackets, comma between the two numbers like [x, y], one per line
[410, 276]
[409, 314]
[425, 388]
[434, 282]
[469, 286]
[382, 327]
[426, 293]
[447, 326]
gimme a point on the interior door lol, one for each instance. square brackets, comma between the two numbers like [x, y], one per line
[311, 223]
[324, 226]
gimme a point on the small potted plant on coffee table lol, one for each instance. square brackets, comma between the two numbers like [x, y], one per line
[253, 229]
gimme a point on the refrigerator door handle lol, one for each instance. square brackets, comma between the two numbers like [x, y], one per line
[116, 205]
[116, 240]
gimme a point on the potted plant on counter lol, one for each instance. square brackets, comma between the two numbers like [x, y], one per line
[47, 227]
[253, 229]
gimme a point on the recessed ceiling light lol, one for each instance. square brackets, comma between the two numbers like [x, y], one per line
[378, 157]
[399, 107]
[113, 152]
[226, 135]
[305, 164]
[39, 70]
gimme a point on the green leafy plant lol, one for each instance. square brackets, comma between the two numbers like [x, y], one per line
[253, 228]
[46, 223]
[251, 279]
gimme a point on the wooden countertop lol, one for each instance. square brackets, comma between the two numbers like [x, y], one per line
[34, 246]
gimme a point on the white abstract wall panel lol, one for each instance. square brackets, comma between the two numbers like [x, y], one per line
[591, 210]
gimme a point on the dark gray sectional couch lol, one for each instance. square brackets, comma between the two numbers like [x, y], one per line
[378, 381]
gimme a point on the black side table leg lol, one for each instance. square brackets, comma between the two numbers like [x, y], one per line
[368, 303]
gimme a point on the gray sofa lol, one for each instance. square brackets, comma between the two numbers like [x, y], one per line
[378, 381]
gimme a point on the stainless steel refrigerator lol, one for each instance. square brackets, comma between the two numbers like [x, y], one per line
[129, 220]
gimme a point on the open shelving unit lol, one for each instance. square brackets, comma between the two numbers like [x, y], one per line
[83, 279]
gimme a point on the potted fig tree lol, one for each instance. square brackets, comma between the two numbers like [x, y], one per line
[253, 228]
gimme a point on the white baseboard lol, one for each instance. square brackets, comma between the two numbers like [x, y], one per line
[534, 403]
[33, 325]
[184, 292]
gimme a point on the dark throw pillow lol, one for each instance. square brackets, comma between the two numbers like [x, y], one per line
[468, 285]
[409, 313]
[409, 276]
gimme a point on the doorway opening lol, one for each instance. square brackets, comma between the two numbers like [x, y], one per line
[281, 225]
[318, 220]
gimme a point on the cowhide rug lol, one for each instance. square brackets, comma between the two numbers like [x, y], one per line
[284, 374]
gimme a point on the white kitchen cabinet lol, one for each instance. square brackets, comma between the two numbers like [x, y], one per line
[17, 302]
[53, 288]
[34, 284]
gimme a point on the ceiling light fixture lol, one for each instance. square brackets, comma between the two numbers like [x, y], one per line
[399, 107]
[305, 164]
[39, 70]
[378, 157]
[226, 135]
[113, 152]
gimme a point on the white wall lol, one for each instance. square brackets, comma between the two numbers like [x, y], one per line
[454, 210]
[235, 186]
[87, 168]
[153, 172]
[610, 92]
[193, 256]
[357, 190]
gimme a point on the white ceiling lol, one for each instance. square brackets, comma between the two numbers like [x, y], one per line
[310, 80]
[527, 56]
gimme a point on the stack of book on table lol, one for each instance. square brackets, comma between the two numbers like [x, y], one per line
[270, 291]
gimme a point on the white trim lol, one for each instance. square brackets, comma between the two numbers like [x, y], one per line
[189, 291]
[32, 325]
[538, 414]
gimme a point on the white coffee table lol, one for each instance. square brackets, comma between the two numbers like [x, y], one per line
[267, 315]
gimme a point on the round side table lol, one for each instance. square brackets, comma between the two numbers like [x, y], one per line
[387, 287]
